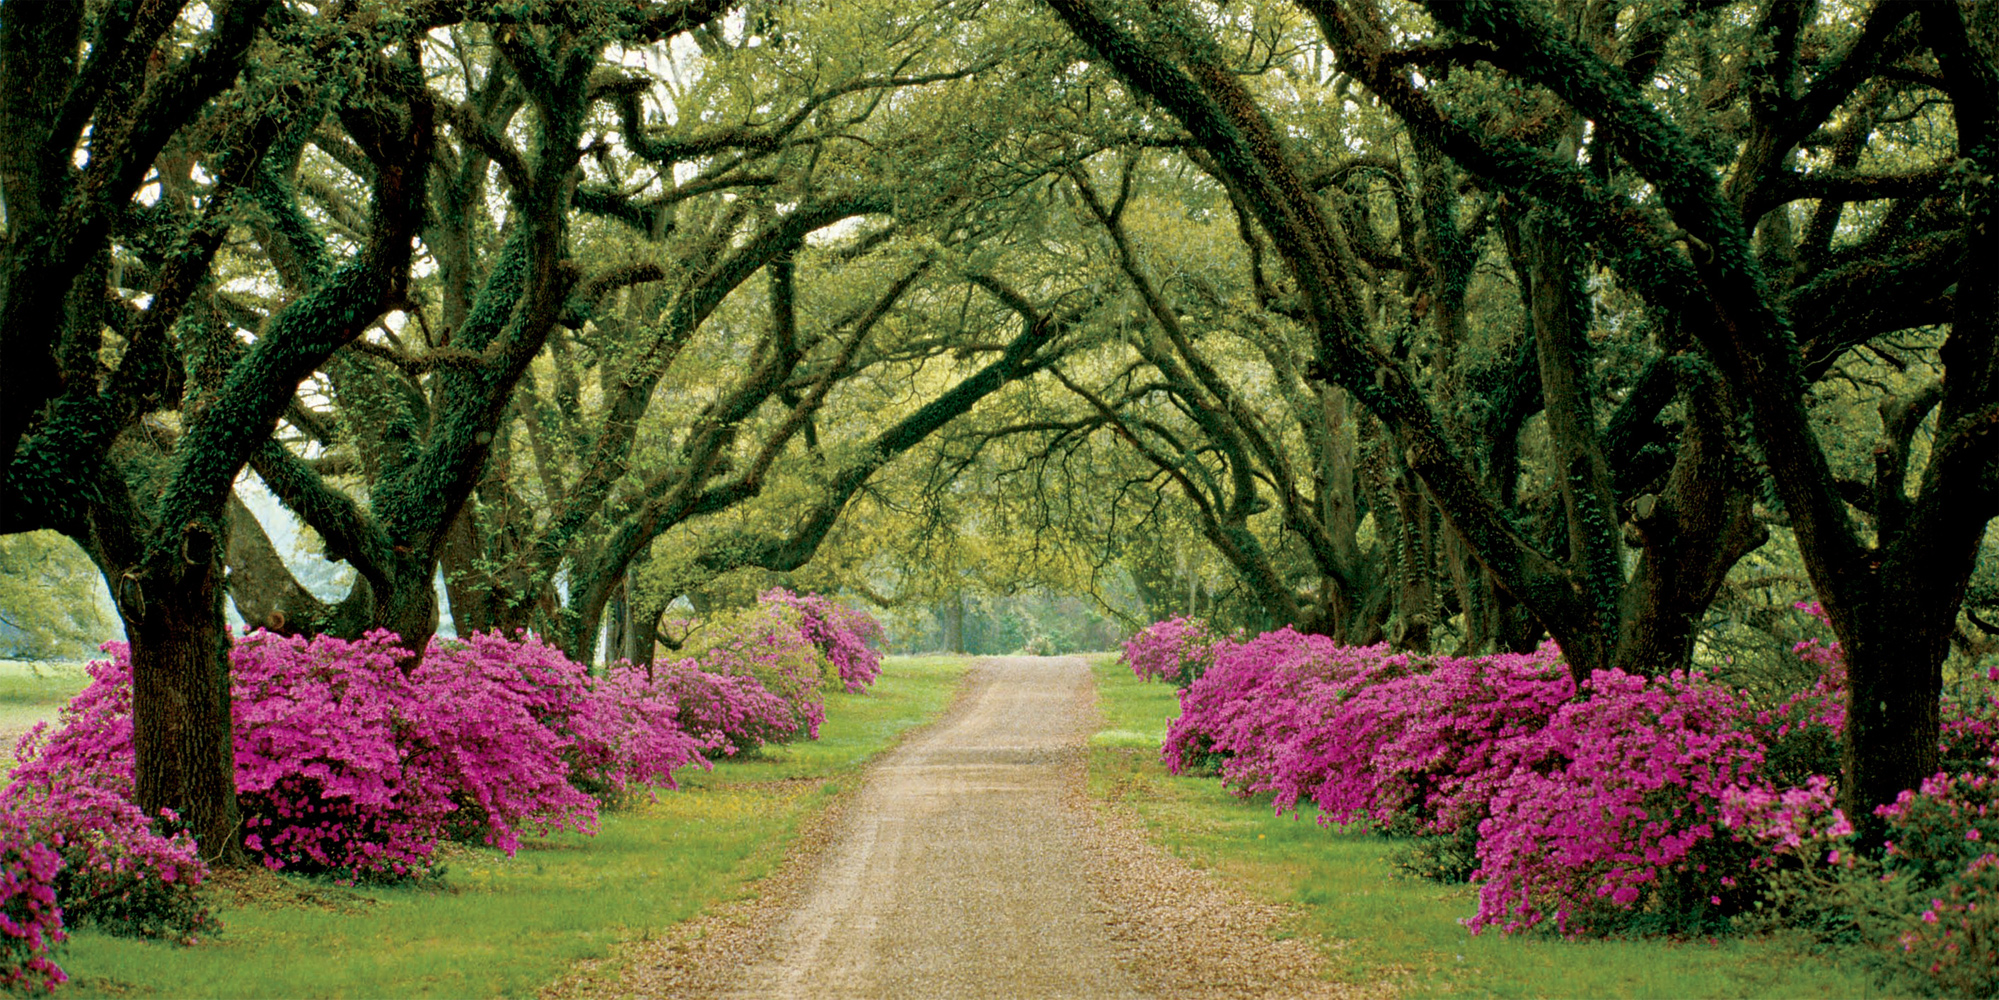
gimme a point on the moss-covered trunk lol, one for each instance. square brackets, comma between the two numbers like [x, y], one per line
[1690, 534]
[410, 608]
[182, 739]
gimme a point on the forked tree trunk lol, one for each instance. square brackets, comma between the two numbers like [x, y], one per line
[645, 633]
[1690, 536]
[410, 608]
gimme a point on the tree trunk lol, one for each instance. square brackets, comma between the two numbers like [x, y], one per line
[410, 608]
[954, 623]
[645, 629]
[618, 625]
[476, 604]
[1414, 595]
[1691, 536]
[1514, 628]
[1894, 670]
[1560, 307]
[182, 737]
[1467, 582]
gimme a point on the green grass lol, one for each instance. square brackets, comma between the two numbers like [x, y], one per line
[1400, 927]
[506, 927]
[40, 684]
[33, 691]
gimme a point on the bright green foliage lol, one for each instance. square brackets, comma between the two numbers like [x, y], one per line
[49, 599]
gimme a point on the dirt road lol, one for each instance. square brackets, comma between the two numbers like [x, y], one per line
[959, 871]
[972, 864]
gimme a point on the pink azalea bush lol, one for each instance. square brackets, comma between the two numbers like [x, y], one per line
[725, 713]
[118, 873]
[92, 743]
[500, 728]
[1362, 732]
[1613, 809]
[1421, 744]
[1798, 824]
[631, 730]
[334, 768]
[1592, 811]
[1953, 943]
[1971, 726]
[30, 920]
[1930, 901]
[1236, 718]
[1935, 831]
[1664, 803]
[1941, 836]
[1178, 650]
[766, 644]
[845, 636]
[354, 760]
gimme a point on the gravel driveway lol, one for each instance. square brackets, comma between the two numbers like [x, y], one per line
[971, 864]
[959, 872]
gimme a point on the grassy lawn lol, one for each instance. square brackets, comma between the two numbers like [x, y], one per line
[1347, 890]
[43, 685]
[504, 927]
[32, 692]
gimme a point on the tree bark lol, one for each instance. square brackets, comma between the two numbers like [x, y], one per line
[182, 735]
[1690, 535]
[954, 623]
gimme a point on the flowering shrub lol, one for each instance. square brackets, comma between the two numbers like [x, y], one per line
[1928, 907]
[1801, 735]
[1953, 943]
[1940, 841]
[333, 769]
[30, 921]
[1178, 649]
[1322, 733]
[766, 643]
[93, 741]
[497, 725]
[725, 713]
[72, 790]
[1971, 726]
[1242, 709]
[1935, 831]
[844, 635]
[1441, 733]
[1363, 732]
[1612, 809]
[1930, 904]
[1596, 814]
[352, 760]
[1798, 823]
[630, 731]
[1666, 803]
[117, 873]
